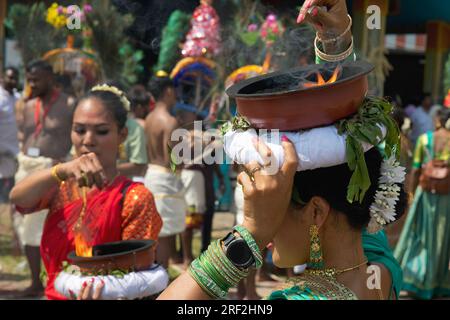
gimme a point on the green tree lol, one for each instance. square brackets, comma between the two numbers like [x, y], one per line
[172, 36]
[33, 34]
[119, 61]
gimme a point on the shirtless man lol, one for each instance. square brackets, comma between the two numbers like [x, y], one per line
[47, 132]
[160, 180]
[45, 126]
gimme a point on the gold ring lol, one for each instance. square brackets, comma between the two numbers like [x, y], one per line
[85, 178]
[256, 169]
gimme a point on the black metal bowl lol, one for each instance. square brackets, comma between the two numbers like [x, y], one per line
[129, 255]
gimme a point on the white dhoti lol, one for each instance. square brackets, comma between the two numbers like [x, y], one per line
[29, 227]
[194, 190]
[167, 190]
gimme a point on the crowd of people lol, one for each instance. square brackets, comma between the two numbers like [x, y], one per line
[98, 169]
[97, 141]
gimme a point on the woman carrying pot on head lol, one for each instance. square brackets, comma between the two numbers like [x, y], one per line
[307, 215]
[423, 249]
[88, 202]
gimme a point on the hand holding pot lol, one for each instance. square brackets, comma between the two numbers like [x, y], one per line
[89, 290]
[267, 196]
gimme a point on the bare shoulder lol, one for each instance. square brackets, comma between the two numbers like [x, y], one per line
[30, 104]
[385, 280]
[172, 123]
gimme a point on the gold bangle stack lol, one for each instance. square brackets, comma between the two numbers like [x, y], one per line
[55, 174]
[331, 57]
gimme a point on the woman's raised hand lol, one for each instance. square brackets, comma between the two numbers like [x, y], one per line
[330, 22]
[86, 169]
[267, 195]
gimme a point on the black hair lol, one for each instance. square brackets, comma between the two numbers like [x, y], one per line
[116, 83]
[331, 184]
[443, 116]
[39, 65]
[399, 116]
[113, 103]
[138, 95]
[158, 85]
[13, 69]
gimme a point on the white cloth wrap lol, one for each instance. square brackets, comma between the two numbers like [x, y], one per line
[29, 227]
[133, 285]
[168, 192]
[194, 190]
[316, 148]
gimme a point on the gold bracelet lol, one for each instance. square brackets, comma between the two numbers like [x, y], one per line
[55, 174]
[334, 40]
[331, 57]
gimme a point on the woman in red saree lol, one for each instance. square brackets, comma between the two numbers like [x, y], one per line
[86, 197]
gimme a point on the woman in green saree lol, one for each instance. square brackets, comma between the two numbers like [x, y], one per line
[320, 228]
[423, 249]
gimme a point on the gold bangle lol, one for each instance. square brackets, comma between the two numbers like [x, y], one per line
[55, 174]
[334, 40]
[331, 57]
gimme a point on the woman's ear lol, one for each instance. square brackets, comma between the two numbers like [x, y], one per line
[321, 209]
[123, 134]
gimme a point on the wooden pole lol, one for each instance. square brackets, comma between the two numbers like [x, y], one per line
[369, 44]
[438, 47]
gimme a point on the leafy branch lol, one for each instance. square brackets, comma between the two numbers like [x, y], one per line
[365, 127]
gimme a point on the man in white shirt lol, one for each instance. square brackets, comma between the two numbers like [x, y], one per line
[9, 144]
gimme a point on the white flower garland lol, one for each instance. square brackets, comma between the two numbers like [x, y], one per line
[382, 210]
[116, 91]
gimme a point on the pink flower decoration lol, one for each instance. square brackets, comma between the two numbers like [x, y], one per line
[252, 27]
[60, 10]
[87, 8]
[271, 18]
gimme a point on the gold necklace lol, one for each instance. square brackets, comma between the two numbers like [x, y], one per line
[333, 272]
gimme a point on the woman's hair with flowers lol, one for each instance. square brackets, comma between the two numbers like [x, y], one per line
[331, 184]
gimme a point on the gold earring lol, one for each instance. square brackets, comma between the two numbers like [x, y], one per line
[122, 152]
[315, 250]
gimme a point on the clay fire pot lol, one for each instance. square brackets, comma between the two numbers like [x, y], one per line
[130, 255]
[279, 101]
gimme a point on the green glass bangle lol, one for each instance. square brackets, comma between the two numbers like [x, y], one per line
[205, 282]
[209, 282]
[213, 273]
[231, 282]
[237, 273]
[251, 243]
[232, 271]
[196, 278]
[195, 274]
